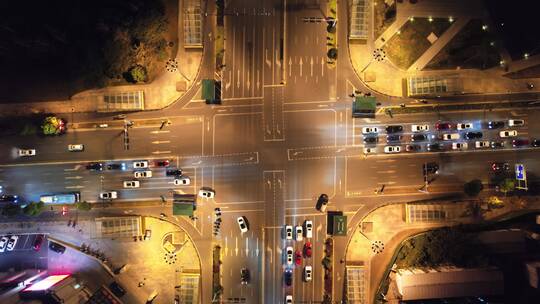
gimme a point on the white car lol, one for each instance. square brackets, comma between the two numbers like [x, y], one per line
[308, 273]
[392, 149]
[132, 184]
[288, 232]
[481, 144]
[459, 146]
[419, 128]
[516, 122]
[508, 133]
[27, 152]
[288, 299]
[450, 136]
[12, 242]
[309, 229]
[289, 255]
[142, 174]
[207, 192]
[141, 164]
[76, 148]
[182, 181]
[108, 195]
[464, 126]
[369, 150]
[3, 242]
[370, 130]
[242, 224]
[299, 233]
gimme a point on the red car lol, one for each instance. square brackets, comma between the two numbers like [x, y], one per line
[444, 126]
[307, 249]
[162, 163]
[37, 242]
[520, 142]
[298, 257]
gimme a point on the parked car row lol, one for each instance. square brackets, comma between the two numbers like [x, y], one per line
[418, 135]
[8, 242]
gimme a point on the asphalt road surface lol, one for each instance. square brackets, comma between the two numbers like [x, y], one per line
[283, 136]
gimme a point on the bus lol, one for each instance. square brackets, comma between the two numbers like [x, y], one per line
[61, 198]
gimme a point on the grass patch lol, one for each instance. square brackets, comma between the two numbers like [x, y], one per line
[406, 46]
[471, 48]
[384, 16]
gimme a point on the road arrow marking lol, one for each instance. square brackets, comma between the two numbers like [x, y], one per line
[73, 177]
[322, 66]
[247, 246]
[157, 132]
[311, 65]
[228, 84]
[161, 152]
[290, 66]
[301, 63]
[258, 82]
[238, 79]
[197, 163]
[257, 249]
[266, 58]
[74, 187]
[157, 142]
[236, 248]
[248, 83]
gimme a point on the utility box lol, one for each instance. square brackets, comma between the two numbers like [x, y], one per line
[211, 91]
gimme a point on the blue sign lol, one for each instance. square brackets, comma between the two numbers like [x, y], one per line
[520, 172]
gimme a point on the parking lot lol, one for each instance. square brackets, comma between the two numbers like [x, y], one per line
[23, 256]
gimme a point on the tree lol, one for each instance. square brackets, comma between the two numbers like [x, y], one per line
[84, 206]
[473, 187]
[507, 185]
[53, 125]
[332, 53]
[138, 74]
[11, 210]
[33, 208]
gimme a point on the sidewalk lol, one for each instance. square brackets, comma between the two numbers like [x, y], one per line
[386, 78]
[164, 90]
[387, 225]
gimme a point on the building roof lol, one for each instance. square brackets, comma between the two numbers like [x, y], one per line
[417, 284]
[183, 209]
[503, 241]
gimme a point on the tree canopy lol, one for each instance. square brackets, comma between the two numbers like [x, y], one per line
[473, 188]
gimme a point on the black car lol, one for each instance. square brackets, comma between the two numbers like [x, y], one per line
[121, 166]
[94, 166]
[322, 201]
[394, 129]
[117, 289]
[9, 198]
[288, 277]
[500, 167]
[412, 148]
[496, 124]
[431, 168]
[394, 137]
[473, 135]
[57, 247]
[535, 143]
[497, 144]
[435, 147]
[173, 172]
[418, 137]
[371, 140]
[244, 275]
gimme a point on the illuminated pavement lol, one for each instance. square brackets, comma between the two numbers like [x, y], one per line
[269, 151]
